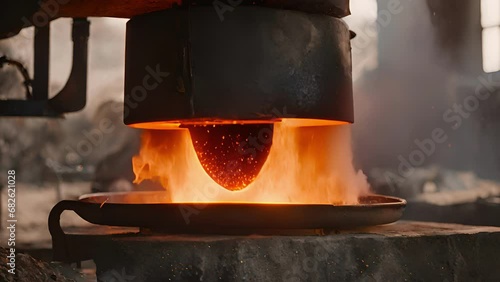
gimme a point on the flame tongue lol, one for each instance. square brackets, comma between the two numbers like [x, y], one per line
[232, 154]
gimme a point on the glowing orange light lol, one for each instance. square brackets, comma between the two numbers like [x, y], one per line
[306, 164]
[289, 121]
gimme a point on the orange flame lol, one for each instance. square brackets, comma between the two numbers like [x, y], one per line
[310, 165]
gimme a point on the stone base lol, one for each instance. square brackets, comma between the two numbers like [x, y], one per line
[413, 251]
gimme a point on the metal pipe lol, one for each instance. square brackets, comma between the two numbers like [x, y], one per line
[41, 63]
[73, 96]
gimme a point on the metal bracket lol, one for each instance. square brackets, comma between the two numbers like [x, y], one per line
[72, 97]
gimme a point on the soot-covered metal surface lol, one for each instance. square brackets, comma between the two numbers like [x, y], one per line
[152, 210]
[254, 63]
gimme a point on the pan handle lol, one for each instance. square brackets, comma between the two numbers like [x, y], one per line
[60, 240]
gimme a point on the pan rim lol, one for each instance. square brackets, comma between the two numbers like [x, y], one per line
[92, 198]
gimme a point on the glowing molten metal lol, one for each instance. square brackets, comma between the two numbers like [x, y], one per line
[232, 154]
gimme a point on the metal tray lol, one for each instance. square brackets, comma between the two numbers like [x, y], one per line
[149, 210]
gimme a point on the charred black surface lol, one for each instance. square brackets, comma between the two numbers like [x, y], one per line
[253, 65]
[232, 154]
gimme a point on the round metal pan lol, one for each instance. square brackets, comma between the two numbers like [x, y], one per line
[149, 210]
